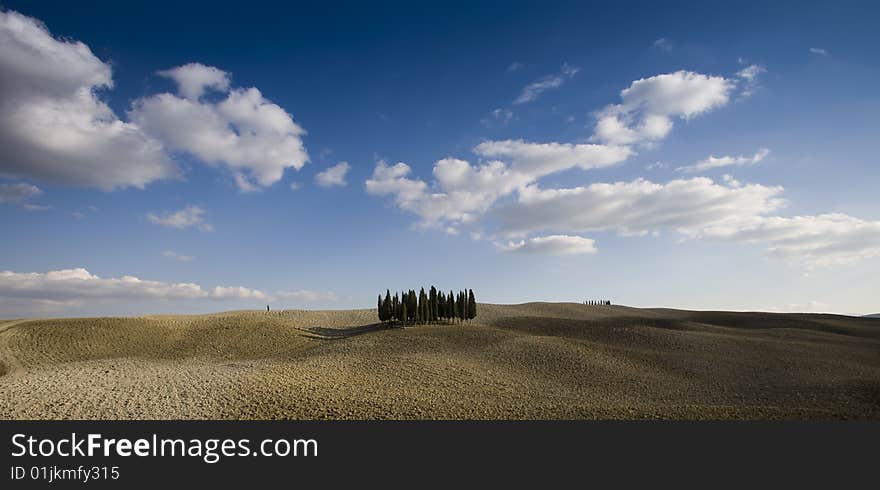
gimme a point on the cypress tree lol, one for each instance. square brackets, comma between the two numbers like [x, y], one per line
[426, 314]
[450, 306]
[463, 306]
[425, 309]
[462, 301]
[380, 307]
[451, 310]
[379, 310]
[438, 306]
[462, 315]
[462, 312]
[432, 305]
[411, 307]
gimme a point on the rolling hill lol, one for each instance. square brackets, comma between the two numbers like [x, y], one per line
[535, 360]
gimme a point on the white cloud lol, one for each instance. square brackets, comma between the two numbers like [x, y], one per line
[636, 207]
[394, 180]
[53, 126]
[533, 90]
[254, 137]
[649, 105]
[36, 207]
[819, 51]
[77, 285]
[187, 217]
[751, 72]
[333, 176]
[18, 192]
[822, 240]
[170, 254]
[682, 93]
[749, 78]
[306, 296]
[194, 78]
[663, 44]
[235, 292]
[498, 117]
[244, 185]
[552, 245]
[461, 191]
[725, 161]
[67, 289]
[490, 180]
[695, 208]
[539, 159]
[515, 66]
[729, 180]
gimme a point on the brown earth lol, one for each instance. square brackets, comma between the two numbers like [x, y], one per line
[533, 361]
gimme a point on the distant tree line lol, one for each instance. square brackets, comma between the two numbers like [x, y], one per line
[407, 307]
[602, 302]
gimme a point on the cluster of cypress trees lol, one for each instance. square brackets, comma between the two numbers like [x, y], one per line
[431, 307]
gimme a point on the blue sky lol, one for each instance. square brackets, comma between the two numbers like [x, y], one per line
[698, 156]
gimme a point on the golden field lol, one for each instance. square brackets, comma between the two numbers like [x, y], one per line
[530, 361]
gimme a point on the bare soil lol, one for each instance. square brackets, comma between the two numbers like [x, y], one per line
[530, 361]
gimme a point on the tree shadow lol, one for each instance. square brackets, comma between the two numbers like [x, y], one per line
[327, 333]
